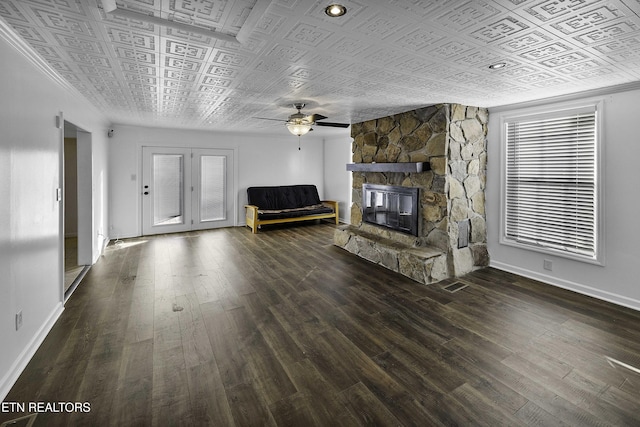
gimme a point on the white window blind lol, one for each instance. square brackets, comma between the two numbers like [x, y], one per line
[212, 188]
[551, 178]
[168, 185]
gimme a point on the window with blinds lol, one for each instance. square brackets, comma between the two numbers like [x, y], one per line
[551, 194]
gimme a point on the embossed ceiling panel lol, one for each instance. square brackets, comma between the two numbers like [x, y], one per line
[381, 58]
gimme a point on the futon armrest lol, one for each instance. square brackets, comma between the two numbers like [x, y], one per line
[251, 211]
[333, 204]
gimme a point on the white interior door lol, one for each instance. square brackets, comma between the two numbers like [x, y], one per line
[186, 189]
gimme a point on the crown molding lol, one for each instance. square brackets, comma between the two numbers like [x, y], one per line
[626, 87]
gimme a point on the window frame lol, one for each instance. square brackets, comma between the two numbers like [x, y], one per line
[557, 111]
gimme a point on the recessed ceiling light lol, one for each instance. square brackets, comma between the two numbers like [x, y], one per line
[498, 65]
[335, 10]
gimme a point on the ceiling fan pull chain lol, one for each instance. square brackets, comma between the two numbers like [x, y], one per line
[298, 142]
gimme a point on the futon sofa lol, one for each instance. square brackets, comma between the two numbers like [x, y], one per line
[286, 203]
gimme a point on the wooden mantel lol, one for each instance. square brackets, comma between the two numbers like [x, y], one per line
[389, 167]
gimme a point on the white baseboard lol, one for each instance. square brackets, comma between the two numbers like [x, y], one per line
[572, 286]
[23, 359]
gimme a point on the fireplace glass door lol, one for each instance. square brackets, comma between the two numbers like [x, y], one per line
[392, 207]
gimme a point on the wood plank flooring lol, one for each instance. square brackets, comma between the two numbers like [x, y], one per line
[228, 328]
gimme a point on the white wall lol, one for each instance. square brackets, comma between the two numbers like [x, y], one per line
[617, 280]
[337, 180]
[260, 160]
[30, 216]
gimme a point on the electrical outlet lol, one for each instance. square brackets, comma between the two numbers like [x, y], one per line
[547, 264]
[18, 320]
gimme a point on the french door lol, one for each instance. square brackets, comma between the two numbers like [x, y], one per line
[186, 189]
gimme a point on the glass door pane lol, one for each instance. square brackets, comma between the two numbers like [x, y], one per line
[165, 188]
[213, 192]
[212, 188]
[168, 200]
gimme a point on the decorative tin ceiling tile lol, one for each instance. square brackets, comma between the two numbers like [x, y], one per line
[30, 34]
[12, 13]
[450, 49]
[138, 68]
[608, 32]
[89, 59]
[54, 20]
[135, 55]
[346, 46]
[477, 57]
[563, 60]
[186, 50]
[500, 29]
[68, 41]
[573, 69]
[48, 52]
[548, 10]
[286, 53]
[468, 15]
[588, 19]
[420, 7]
[307, 34]
[382, 57]
[414, 65]
[545, 51]
[182, 64]
[304, 74]
[216, 81]
[381, 25]
[525, 41]
[126, 37]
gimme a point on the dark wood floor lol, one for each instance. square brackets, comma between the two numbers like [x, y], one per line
[223, 328]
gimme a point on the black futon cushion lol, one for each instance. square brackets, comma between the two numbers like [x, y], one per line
[294, 213]
[286, 201]
[283, 197]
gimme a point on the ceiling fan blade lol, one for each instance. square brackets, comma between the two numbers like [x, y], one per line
[316, 117]
[332, 124]
[266, 118]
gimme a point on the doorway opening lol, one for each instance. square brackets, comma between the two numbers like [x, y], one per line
[76, 206]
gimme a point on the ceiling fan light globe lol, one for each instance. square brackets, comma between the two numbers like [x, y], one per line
[299, 129]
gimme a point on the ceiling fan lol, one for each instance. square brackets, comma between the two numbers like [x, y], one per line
[300, 124]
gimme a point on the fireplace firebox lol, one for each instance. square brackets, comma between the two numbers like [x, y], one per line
[391, 206]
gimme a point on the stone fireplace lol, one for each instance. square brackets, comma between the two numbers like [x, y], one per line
[440, 151]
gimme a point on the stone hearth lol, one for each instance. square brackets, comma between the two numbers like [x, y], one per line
[452, 138]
